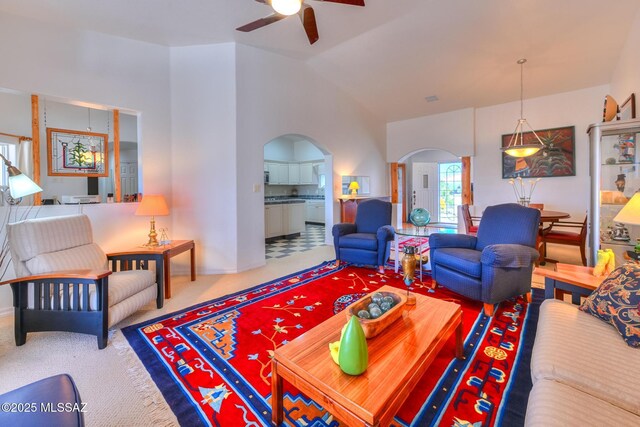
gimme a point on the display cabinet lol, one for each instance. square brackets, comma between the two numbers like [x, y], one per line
[615, 177]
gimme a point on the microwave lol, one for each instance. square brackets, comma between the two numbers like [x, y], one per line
[266, 177]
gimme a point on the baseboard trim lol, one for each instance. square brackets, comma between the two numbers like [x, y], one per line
[7, 311]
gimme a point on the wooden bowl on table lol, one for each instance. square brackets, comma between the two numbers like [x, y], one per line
[373, 327]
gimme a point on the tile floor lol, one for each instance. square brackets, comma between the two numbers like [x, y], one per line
[312, 237]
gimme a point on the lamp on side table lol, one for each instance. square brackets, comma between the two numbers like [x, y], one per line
[152, 205]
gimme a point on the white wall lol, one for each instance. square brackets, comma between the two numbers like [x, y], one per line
[570, 194]
[626, 77]
[204, 162]
[50, 60]
[304, 151]
[452, 132]
[278, 96]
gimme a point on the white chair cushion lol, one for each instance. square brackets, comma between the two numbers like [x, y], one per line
[37, 236]
[553, 404]
[88, 256]
[124, 284]
[575, 348]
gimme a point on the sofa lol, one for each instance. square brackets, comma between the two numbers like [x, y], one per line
[583, 372]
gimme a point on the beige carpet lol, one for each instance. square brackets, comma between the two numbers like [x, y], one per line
[114, 384]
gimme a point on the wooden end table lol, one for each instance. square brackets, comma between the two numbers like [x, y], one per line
[574, 279]
[398, 358]
[164, 253]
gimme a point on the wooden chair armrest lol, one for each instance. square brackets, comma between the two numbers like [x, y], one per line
[63, 274]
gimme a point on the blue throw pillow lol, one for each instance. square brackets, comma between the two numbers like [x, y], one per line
[617, 301]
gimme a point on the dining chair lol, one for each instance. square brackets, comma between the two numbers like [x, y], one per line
[539, 206]
[573, 233]
[468, 220]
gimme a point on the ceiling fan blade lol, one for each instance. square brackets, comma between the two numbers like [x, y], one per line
[351, 2]
[308, 18]
[262, 22]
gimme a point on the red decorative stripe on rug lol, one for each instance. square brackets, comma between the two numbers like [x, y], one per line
[212, 362]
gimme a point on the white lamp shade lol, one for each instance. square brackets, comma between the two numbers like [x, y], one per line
[21, 185]
[630, 213]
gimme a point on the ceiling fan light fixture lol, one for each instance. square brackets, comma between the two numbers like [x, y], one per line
[286, 7]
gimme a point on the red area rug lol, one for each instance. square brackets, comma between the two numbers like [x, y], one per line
[212, 361]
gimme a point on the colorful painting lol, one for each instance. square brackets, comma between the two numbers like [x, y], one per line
[557, 158]
[77, 153]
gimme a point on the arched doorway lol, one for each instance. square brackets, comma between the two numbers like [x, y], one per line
[298, 194]
[435, 180]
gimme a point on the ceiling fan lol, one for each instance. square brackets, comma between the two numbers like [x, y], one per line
[285, 8]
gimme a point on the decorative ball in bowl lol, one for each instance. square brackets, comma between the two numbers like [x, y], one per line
[377, 310]
[420, 217]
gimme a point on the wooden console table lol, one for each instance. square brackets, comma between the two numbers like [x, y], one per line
[164, 253]
[349, 206]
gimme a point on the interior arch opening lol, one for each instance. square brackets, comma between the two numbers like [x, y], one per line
[298, 194]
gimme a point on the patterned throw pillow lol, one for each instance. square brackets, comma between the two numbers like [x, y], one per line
[617, 301]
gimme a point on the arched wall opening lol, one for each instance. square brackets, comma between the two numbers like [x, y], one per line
[433, 182]
[297, 167]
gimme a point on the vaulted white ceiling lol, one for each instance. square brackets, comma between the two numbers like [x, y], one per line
[391, 54]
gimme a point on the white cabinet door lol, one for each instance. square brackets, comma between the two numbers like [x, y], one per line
[294, 218]
[294, 173]
[273, 220]
[306, 173]
[273, 173]
[283, 173]
[308, 211]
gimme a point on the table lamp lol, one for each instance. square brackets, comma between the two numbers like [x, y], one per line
[152, 205]
[20, 185]
[354, 187]
[630, 214]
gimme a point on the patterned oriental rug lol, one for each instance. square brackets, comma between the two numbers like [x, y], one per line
[212, 361]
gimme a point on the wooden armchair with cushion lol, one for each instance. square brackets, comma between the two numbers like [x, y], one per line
[469, 227]
[571, 233]
[63, 283]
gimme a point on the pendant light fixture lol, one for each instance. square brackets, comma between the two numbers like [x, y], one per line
[517, 146]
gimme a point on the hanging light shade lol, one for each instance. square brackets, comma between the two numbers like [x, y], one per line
[517, 146]
[286, 7]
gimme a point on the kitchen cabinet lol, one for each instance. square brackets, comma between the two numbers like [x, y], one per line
[315, 211]
[283, 173]
[294, 173]
[273, 223]
[284, 219]
[293, 218]
[306, 173]
[615, 177]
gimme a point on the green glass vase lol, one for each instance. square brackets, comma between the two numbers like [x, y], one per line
[354, 355]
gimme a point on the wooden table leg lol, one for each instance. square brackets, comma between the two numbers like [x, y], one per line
[167, 276]
[193, 263]
[276, 395]
[459, 342]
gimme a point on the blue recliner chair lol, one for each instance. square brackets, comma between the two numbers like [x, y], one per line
[368, 241]
[494, 265]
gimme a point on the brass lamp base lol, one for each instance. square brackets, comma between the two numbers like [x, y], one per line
[153, 236]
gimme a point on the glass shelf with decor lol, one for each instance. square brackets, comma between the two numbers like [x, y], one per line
[615, 177]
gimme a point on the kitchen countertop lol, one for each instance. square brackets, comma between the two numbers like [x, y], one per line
[282, 200]
[270, 201]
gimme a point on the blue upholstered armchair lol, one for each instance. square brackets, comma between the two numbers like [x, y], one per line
[494, 265]
[368, 240]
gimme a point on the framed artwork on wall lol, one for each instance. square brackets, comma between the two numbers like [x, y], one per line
[77, 153]
[557, 158]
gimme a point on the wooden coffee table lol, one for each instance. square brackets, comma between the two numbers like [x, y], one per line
[398, 358]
